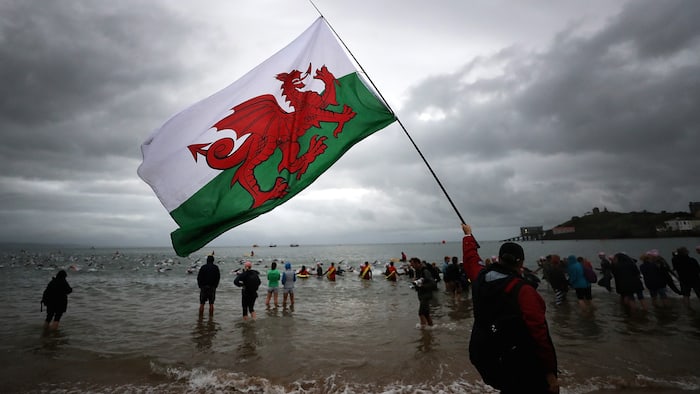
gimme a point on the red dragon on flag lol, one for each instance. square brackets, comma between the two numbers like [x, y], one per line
[270, 127]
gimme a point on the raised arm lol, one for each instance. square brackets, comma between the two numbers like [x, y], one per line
[471, 261]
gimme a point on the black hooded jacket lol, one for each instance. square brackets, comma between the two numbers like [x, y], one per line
[208, 276]
[55, 296]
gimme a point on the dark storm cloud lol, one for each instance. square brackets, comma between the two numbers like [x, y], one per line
[589, 93]
[613, 112]
[533, 129]
[83, 83]
[73, 74]
[61, 58]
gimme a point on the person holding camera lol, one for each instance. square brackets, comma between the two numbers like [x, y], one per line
[424, 284]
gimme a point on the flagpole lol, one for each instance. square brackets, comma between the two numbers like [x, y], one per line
[459, 215]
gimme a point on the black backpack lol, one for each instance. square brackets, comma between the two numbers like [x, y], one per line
[499, 345]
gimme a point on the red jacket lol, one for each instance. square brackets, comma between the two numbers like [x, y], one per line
[531, 305]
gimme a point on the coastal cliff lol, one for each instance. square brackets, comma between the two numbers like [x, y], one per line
[615, 225]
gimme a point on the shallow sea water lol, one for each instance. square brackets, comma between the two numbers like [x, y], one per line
[132, 326]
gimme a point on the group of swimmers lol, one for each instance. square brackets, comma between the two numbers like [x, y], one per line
[365, 271]
[631, 276]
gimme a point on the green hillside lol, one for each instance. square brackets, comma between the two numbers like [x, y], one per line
[608, 225]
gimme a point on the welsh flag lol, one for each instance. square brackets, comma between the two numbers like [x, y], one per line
[257, 143]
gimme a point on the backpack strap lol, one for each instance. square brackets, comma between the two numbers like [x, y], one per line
[514, 286]
[512, 290]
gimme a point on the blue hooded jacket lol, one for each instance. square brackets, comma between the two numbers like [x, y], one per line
[576, 278]
[288, 276]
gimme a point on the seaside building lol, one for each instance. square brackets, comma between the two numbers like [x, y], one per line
[531, 233]
[687, 224]
[680, 225]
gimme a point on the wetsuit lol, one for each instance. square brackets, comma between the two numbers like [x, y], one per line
[654, 278]
[331, 274]
[391, 273]
[366, 272]
[425, 291]
[627, 277]
[688, 273]
[249, 294]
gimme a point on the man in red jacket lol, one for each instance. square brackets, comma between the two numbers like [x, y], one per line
[510, 343]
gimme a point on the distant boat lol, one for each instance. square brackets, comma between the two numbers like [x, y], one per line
[294, 245]
[273, 245]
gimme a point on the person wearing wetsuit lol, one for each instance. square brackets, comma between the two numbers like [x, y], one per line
[606, 270]
[628, 282]
[248, 280]
[366, 271]
[654, 277]
[424, 286]
[391, 273]
[688, 271]
[331, 272]
[451, 276]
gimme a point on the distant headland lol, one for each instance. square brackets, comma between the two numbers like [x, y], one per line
[605, 224]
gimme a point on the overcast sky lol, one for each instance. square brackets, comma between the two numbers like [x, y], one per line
[529, 112]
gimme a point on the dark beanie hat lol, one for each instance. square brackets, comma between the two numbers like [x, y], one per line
[210, 259]
[512, 249]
